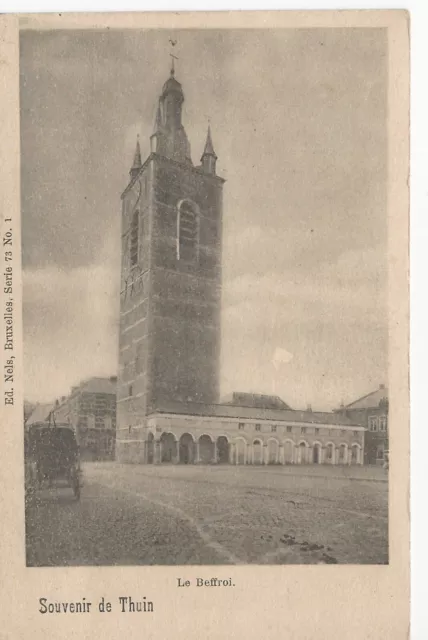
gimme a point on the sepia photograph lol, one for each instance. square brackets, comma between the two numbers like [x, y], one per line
[205, 246]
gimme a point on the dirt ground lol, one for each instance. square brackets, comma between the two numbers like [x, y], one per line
[213, 515]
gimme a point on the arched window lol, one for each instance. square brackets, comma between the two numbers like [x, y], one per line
[257, 452]
[187, 231]
[133, 246]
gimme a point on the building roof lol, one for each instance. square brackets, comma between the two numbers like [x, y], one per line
[40, 413]
[137, 164]
[99, 385]
[255, 400]
[371, 400]
[252, 413]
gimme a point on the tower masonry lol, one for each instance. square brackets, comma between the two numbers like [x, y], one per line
[170, 292]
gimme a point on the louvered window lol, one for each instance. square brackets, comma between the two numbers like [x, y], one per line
[133, 247]
[187, 232]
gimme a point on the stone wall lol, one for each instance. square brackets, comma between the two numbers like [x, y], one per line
[185, 300]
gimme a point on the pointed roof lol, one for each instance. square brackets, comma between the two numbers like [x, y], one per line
[209, 148]
[137, 164]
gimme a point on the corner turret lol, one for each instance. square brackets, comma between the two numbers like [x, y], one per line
[209, 157]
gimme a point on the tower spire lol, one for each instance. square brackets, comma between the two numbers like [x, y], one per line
[209, 157]
[209, 148]
[137, 164]
[172, 140]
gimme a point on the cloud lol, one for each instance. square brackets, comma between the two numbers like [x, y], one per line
[281, 356]
[305, 231]
[70, 328]
[353, 289]
[333, 319]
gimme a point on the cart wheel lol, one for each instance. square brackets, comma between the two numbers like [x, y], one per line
[75, 483]
[76, 489]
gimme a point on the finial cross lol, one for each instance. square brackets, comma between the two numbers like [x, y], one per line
[173, 57]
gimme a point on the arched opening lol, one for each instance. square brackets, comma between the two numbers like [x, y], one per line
[186, 449]
[302, 452]
[222, 450]
[150, 447]
[168, 447]
[288, 452]
[316, 455]
[273, 452]
[187, 231]
[206, 449]
[257, 452]
[355, 454]
[133, 243]
[342, 454]
[241, 447]
[329, 454]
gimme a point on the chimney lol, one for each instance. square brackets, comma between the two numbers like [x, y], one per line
[309, 408]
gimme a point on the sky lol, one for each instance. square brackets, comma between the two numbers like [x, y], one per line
[298, 121]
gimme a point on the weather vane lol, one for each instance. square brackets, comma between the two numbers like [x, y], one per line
[173, 57]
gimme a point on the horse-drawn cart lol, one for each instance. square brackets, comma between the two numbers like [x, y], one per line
[52, 458]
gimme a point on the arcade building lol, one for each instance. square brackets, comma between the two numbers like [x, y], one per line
[168, 408]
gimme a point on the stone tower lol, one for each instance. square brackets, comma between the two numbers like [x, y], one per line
[170, 294]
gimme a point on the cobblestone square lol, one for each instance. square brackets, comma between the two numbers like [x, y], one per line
[188, 514]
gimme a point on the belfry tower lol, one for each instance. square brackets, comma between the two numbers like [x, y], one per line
[170, 293]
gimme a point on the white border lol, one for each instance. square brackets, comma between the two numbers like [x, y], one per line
[418, 232]
[48, 6]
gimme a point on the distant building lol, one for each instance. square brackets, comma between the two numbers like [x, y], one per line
[40, 414]
[28, 409]
[255, 400]
[91, 410]
[371, 412]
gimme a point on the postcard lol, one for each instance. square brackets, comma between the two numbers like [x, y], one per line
[205, 325]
